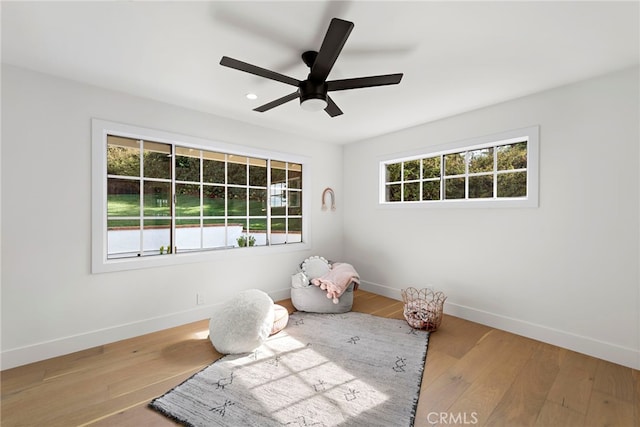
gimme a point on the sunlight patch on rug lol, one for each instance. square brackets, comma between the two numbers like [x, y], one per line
[350, 369]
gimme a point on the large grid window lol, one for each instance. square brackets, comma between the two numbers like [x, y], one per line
[158, 198]
[164, 198]
[499, 170]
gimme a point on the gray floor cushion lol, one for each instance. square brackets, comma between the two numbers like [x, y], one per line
[314, 300]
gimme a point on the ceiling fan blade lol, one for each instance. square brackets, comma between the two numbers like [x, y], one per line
[361, 82]
[262, 72]
[332, 45]
[332, 109]
[277, 102]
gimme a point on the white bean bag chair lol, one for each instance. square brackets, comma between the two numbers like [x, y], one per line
[243, 323]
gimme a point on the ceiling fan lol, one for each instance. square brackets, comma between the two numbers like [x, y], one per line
[313, 91]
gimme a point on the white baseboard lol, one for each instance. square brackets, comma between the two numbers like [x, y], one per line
[601, 349]
[385, 291]
[59, 347]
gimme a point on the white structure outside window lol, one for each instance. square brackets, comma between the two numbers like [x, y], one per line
[161, 198]
[496, 170]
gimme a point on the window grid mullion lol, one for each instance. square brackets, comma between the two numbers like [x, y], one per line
[268, 230]
[441, 177]
[286, 205]
[402, 182]
[421, 179]
[173, 198]
[466, 175]
[141, 218]
[246, 198]
[495, 172]
[201, 162]
[226, 201]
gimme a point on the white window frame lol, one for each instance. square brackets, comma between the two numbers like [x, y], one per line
[529, 134]
[99, 260]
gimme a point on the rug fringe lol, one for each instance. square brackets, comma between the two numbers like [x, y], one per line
[168, 414]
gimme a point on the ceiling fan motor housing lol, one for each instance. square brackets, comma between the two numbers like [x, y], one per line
[312, 90]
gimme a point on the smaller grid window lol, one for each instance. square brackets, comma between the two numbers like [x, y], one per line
[498, 170]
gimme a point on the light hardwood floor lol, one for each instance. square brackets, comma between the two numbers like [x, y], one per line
[474, 375]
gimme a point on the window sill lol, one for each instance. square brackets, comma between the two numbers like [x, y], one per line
[462, 204]
[124, 264]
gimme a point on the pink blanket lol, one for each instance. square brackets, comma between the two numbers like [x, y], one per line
[337, 280]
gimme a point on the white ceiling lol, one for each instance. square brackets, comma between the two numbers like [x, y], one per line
[455, 56]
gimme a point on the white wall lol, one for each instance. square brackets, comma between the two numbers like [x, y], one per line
[565, 272]
[51, 303]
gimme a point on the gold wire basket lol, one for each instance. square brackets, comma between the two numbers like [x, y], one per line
[423, 308]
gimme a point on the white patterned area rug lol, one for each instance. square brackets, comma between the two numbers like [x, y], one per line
[350, 369]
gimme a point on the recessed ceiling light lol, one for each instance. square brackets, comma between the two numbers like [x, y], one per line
[251, 96]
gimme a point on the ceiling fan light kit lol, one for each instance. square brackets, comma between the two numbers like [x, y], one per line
[313, 104]
[313, 92]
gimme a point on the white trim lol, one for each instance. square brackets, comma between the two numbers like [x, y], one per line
[601, 349]
[59, 347]
[531, 134]
[99, 261]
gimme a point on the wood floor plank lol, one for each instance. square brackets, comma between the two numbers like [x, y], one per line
[108, 411]
[447, 388]
[437, 364]
[38, 407]
[608, 410]
[614, 379]
[469, 367]
[439, 395]
[525, 398]
[636, 379]
[482, 356]
[15, 381]
[574, 383]
[553, 414]
[369, 304]
[199, 353]
[456, 336]
[488, 389]
[138, 416]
